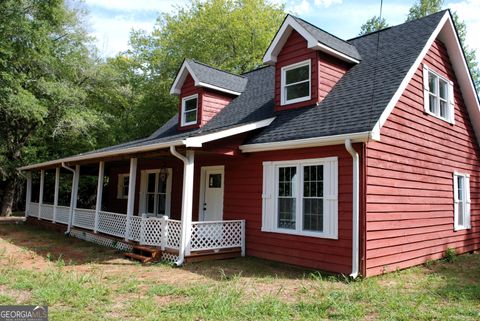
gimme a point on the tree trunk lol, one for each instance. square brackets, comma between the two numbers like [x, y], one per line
[7, 199]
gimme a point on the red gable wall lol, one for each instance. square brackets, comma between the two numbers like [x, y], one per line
[410, 216]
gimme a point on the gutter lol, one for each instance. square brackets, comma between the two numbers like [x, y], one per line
[70, 214]
[355, 208]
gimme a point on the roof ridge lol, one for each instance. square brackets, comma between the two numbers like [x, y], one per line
[327, 32]
[215, 68]
[401, 24]
[256, 69]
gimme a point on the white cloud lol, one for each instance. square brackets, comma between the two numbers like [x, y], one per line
[299, 8]
[136, 5]
[327, 3]
[469, 12]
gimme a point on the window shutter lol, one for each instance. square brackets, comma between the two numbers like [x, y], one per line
[455, 202]
[467, 202]
[268, 197]
[426, 89]
[451, 103]
[120, 186]
[330, 205]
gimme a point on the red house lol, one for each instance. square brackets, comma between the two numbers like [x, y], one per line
[356, 157]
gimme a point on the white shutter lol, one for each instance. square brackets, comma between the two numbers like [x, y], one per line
[268, 197]
[455, 202]
[467, 202]
[451, 103]
[426, 89]
[330, 205]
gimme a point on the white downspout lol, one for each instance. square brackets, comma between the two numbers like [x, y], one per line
[187, 200]
[355, 208]
[71, 198]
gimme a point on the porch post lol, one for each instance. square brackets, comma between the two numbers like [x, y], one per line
[188, 173]
[28, 194]
[74, 196]
[55, 195]
[131, 195]
[40, 195]
[98, 207]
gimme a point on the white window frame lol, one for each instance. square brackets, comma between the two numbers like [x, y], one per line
[144, 187]
[466, 201]
[183, 119]
[450, 112]
[330, 197]
[283, 85]
[121, 186]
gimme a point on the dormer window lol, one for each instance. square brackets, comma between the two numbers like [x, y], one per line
[295, 83]
[189, 110]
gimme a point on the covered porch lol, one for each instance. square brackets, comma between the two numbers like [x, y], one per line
[144, 199]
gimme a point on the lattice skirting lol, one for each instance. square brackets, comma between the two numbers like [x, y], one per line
[169, 257]
[101, 240]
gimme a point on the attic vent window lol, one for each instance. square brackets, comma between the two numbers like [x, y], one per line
[296, 83]
[189, 110]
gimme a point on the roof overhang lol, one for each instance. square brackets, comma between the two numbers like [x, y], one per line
[362, 137]
[447, 33]
[290, 24]
[196, 141]
[182, 75]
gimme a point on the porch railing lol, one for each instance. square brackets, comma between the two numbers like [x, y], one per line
[154, 231]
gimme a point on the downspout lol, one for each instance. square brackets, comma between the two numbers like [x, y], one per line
[183, 236]
[355, 208]
[71, 200]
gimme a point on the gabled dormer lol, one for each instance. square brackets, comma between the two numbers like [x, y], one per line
[308, 63]
[203, 91]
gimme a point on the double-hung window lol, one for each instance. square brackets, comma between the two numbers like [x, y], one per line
[295, 83]
[189, 110]
[461, 187]
[300, 197]
[122, 187]
[438, 96]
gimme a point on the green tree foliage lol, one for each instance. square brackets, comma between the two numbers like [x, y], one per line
[373, 24]
[44, 63]
[424, 8]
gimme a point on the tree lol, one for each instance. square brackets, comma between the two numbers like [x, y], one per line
[424, 8]
[44, 63]
[373, 24]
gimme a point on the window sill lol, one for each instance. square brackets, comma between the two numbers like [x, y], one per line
[294, 101]
[461, 228]
[322, 235]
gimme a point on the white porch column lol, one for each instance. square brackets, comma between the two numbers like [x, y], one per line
[40, 195]
[28, 194]
[98, 207]
[55, 195]
[187, 201]
[74, 196]
[131, 195]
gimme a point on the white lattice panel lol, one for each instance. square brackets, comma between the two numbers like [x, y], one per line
[174, 231]
[135, 227]
[112, 223]
[32, 209]
[63, 212]
[152, 229]
[100, 240]
[216, 235]
[84, 218]
[46, 212]
[169, 257]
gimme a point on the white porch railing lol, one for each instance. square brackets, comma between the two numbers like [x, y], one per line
[154, 231]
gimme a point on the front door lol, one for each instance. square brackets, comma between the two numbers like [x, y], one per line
[212, 189]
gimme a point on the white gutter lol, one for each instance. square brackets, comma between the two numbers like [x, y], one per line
[71, 199]
[355, 208]
[310, 142]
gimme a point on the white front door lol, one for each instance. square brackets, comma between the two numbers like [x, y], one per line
[211, 206]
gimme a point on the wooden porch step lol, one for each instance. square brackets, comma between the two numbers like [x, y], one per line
[213, 255]
[138, 257]
[145, 248]
[145, 254]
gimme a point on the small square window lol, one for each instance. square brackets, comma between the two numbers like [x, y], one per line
[215, 181]
[189, 110]
[296, 83]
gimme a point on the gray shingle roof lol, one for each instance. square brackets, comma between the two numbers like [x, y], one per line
[216, 77]
[330, 40]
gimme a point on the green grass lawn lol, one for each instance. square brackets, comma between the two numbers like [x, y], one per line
[81, 281]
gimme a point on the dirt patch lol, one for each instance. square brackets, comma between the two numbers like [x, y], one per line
[20, 296]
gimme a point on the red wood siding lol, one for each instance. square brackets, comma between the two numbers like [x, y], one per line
[409, 179]
[295, 50]
[330, 71]
[212, 103]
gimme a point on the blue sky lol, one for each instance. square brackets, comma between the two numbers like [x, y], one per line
[111, 20]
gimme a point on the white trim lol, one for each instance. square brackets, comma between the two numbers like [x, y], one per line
[182, 118]
[142, 208]
[98, 205]
[355, 208]
[283, 85]
[40, 193]
[182, 74]
[131, 195]
[55, 193]
[308, 142]
[121, 185]
[284, 32]
[330, 197]
[28, 194]
[465, 202]
[201, 201]
[198, 141]
[445, 31]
